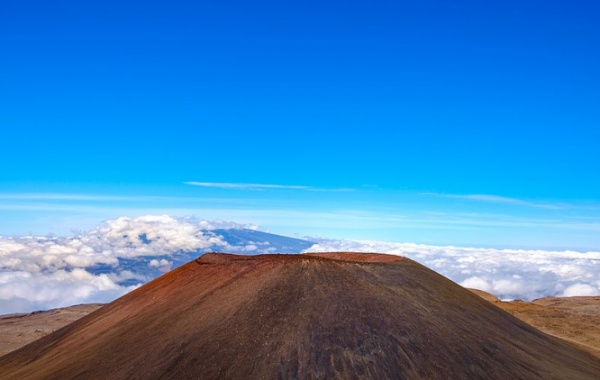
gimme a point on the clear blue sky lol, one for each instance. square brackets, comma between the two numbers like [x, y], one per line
[429, 112]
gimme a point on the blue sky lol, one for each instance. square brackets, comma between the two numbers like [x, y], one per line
[475, 123]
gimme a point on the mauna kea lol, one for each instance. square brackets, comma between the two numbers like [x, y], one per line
[330, 315]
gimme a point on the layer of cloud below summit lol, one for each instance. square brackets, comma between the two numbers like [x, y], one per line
[115, 257]
[46, 272]
[506, 273]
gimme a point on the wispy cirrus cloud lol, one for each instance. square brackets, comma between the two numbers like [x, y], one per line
[72, 197]
[261, 186]
[500, 199]
[56, 198]
[246, 186]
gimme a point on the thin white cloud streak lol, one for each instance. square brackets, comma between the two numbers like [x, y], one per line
[506, 273]
[499, 220]
[500, 199]
[245, 186]
[73, 197]
[262, 186]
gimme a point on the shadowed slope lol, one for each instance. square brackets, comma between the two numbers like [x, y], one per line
[300, 316]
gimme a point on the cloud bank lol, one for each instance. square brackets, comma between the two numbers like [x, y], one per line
[99, 265]
[105, 262]
[506, 273]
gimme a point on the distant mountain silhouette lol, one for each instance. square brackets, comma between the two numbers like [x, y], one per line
[332, 315]
[263, 241]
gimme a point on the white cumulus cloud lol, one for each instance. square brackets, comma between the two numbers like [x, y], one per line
[46, 272]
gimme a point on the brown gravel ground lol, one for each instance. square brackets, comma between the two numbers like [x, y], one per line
[16, 330]
[573, 319]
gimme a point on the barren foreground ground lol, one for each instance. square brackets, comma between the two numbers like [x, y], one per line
[574, 319]
[16, 330]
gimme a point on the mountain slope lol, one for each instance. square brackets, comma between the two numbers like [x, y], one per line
[300, 316]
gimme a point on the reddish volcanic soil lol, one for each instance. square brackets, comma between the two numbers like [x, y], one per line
[300, 316]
